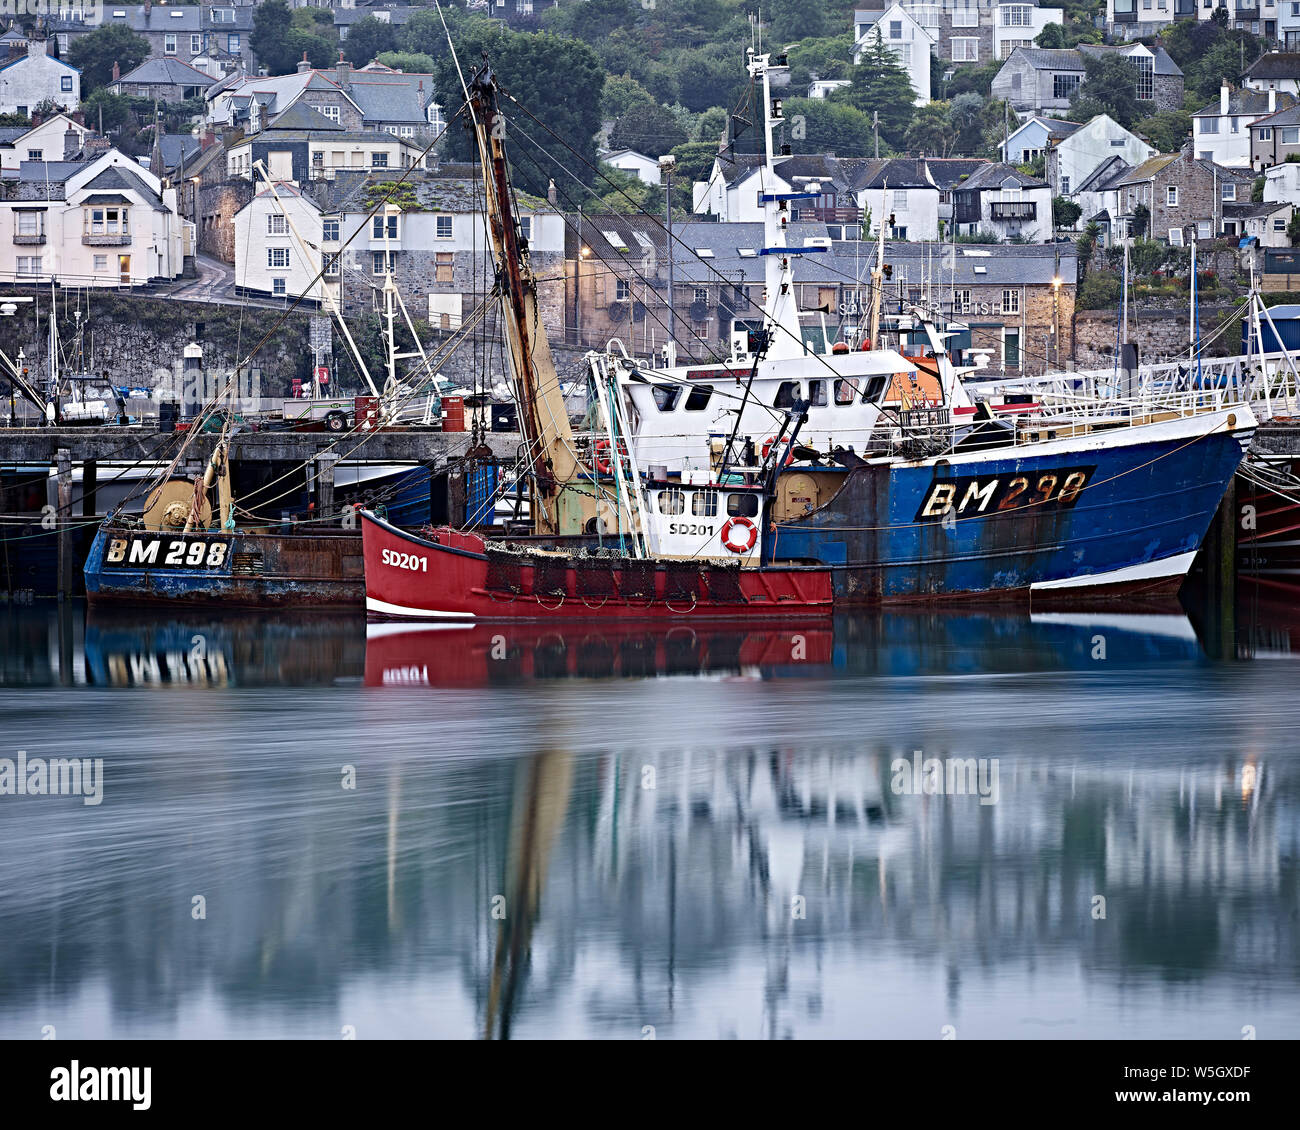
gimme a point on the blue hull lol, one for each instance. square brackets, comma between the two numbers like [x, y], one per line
[999, 525]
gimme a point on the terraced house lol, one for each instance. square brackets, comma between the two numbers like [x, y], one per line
[214, 38]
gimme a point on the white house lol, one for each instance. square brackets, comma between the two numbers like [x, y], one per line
[645, 169]
[733, 190]
[1001, 200]
[1221, 131]
[1277, 70]
[55, 139]
[823, 87]
[1018, 24]
[1073, 159]
[104, 223]
[1268, 222]
[278, 238]
[1282, 183]
[903, 189]
[32, 79]
[904, 36]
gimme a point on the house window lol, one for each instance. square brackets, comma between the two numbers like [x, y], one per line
[277, 256]
[278, 288]
[1209, 125]
[622, 291]
[101, 263]
[1229, 192]
[967, 15]
[379, 160]
[965, 50]
[1171, 196]
[961, 301]
[332, 263]
[526, 227]
[29, 264]
[442, 227]
[105, 221]
[1065, 186]
[1019, 15]
[445, 266]
[329, 231]
[1289, 135]
[1175, 237]
[196, 44]
[35, 154]
[377, 262]
[900, 198]
[277, 224]
[381, 226]
[65, 84]
[169, 44]
[1064, 86]
[29, 223]
[1203, 230]
[1011, 302]
[1279, 224]
[232, 44]
[1266, 133]
[331, 112]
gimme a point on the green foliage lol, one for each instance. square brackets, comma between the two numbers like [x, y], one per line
[368, 38]
[978, 236]
[1069, 34]
[932, 133]
[1035, 168]
[270, 36]
[621, 93]
[625, 193]
[1065, 213]
[712, 124]
[1166, 130]
[816, 125]
[390, 192]
[1086, 244]
[1141, 217]
[1109, 87]
[972, 80]
[796, 19]
[694, 161]
[410, 62]
[15, 120]
[648, 128]
[831, 57]
[881, 86]
[1099, 290]
[95, 54]
[1208, 52]
[966, 112]
[1257, 191]
[1293, 229]
[556, 81]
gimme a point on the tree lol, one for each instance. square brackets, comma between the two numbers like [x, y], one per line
[621, 93]
[831, 57]
[1065, 213]
[410, 62]
[555, 88]
[1086, 244]
[818, 126]
[648, 128]
[1166, 130]
[881, 86]
[269, 39]
[712, 124]
[1109, 88]
[932, 133]
[1141, 217]
[796, 19]
[1293, 229]
[368, 38]
[965, 112]
[95, 54]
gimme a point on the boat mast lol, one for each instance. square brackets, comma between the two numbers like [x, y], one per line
[544, 417]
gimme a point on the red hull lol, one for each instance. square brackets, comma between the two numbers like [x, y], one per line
[453, 576]
[479, 655]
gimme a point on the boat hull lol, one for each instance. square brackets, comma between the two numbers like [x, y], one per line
[1116, 513]
[454, 576]
[229, 569]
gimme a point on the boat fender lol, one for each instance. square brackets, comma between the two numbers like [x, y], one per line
[739, 534]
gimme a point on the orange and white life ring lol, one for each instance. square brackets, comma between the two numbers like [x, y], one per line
[768, 444]
[601, 458]
[742, 529]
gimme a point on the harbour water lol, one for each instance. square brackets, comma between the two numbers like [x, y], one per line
[305, 832]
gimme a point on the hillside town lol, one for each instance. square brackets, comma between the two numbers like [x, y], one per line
[1012, 154]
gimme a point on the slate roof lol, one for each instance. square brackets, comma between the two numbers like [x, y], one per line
[1162, 62]
[1247, 102]
[947, 172]
[167, 72]
[176, 146]
[992, 176]
[1101, 177]
[1275, 65]
[300, 116]
[120, 176]
[1288, 117]
[1050, 58]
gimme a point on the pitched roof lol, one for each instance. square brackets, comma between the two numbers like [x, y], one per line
[1100, 177]
[1288, 117]
[1275, 65]
[993, 176]
[1247, 102]
[300, 116]
[167, 72]
[1149, 168]
[121, 176]
[948, 172]
[1049, 58]
[1162, 62]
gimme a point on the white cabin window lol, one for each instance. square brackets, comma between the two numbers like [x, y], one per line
[704, 503]
[742, 505]
[666, 396]
[698, 398]
[671, 502]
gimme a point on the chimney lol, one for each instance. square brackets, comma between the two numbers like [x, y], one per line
[1272, 98]
[71, 144]
[207, 140]
[1224, 91]
[148, 7]
[117, 71]
[36, 44]
[344, 72]
[304, 66]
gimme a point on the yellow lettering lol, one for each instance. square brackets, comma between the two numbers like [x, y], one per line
[940, 500]
[975, 494]
[116, 551]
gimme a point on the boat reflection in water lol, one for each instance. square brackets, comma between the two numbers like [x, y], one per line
[885, 643]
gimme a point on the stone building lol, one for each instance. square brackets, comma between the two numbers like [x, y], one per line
[1036, 80]
[164, 80]
[1184, 196]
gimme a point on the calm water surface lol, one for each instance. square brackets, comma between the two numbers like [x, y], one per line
[587, 833]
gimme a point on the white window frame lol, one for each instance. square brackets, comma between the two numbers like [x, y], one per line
[968, 44]
[441, 219]
[277, 224]
[277, 258]
[1010, 301]
[1171, 196]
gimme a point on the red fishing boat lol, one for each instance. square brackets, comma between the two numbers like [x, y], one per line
[450, 575]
